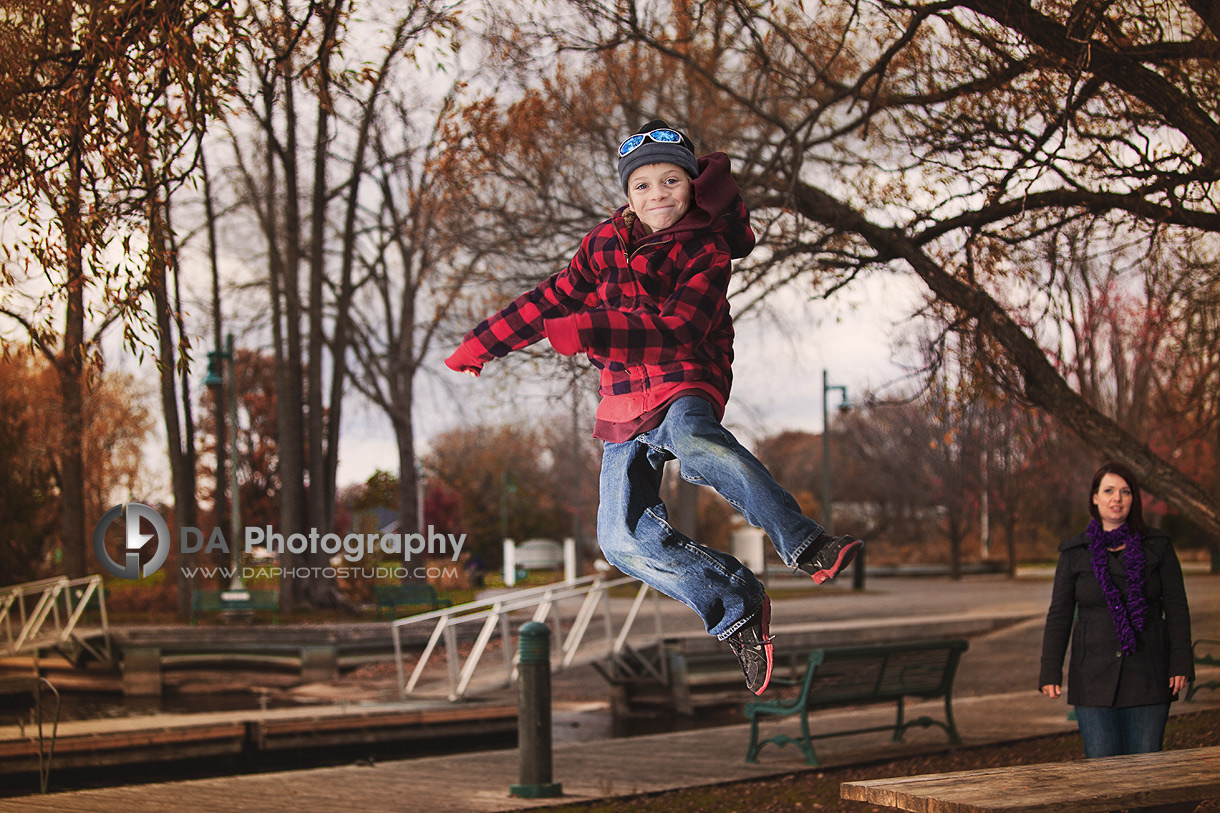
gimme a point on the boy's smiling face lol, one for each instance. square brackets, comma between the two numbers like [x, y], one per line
[660, 194]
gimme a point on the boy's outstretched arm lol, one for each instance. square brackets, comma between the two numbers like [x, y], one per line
[521, 322]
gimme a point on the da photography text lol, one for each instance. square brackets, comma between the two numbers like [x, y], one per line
[353, 546]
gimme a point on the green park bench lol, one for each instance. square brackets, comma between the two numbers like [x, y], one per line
[392, 596]
[215, 601]
[1207, 653]
[859, 675]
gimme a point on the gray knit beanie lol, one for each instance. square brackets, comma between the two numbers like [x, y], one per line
[655, 143]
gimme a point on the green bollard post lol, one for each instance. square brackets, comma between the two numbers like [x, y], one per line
[534, 713]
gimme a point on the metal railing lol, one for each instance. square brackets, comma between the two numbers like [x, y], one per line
[493, 613]
[47, 613]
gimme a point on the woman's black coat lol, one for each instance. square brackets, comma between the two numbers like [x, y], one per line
[1163, 647]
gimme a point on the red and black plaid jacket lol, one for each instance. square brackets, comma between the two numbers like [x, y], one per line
[650, 313]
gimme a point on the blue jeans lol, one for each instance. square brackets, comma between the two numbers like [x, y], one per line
[1110, 732]
[636, 537]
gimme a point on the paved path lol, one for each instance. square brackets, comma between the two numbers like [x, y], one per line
[995, 702]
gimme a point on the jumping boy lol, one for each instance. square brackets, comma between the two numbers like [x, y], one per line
[645, 299]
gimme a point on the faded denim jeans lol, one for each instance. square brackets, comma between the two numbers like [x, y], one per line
[636, 537]
[1110, 732]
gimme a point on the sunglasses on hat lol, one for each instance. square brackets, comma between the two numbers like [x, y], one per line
[661, 136]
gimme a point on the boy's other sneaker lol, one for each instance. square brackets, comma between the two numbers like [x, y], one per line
[823, 562]
[752, 646]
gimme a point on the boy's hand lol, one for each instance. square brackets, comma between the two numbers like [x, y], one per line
[464, 360]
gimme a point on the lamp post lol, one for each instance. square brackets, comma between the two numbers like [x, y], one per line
[420, 493]
[507, 486]
[828, 514]
[218, 371]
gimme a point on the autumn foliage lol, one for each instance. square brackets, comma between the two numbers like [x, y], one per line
[117, 425]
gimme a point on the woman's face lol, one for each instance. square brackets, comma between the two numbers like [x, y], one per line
[1113, 500]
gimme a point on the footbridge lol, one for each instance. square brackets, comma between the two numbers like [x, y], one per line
[67, 615]
[602, 630]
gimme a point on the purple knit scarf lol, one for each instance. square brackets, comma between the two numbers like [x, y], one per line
[1129, 615]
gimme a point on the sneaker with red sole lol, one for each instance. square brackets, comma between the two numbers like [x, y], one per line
[830, 558]
[753, 647]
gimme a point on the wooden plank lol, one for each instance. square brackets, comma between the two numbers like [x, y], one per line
[186, 736]
[417, 717]
[475, 730]
[119, 740]
[14, 684]
[126, 757]
[1067, 787]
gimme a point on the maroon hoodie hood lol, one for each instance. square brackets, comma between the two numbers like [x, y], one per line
[717, 206]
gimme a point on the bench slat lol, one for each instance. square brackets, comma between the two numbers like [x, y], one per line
[1088, 786]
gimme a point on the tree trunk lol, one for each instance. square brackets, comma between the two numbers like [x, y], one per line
[275, 274]
[1010, 542]
[1213, 541]
[69, 366]
[955, 547]
[341, 335]
[186, 491]
[285, 265]
[182, 478]
[180, 449]
[322, 591]
[410, 520]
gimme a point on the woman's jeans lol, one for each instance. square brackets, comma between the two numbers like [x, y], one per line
[636, 537]
[1109, 732]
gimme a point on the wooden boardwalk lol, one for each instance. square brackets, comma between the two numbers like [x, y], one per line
[612, 767]
[1093, 786]
[479, 782]
[588, 770]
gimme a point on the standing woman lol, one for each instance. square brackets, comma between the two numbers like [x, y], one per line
[1131, 654]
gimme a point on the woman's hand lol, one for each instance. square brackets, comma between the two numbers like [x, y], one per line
[1052, 690]
[1177, 683]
